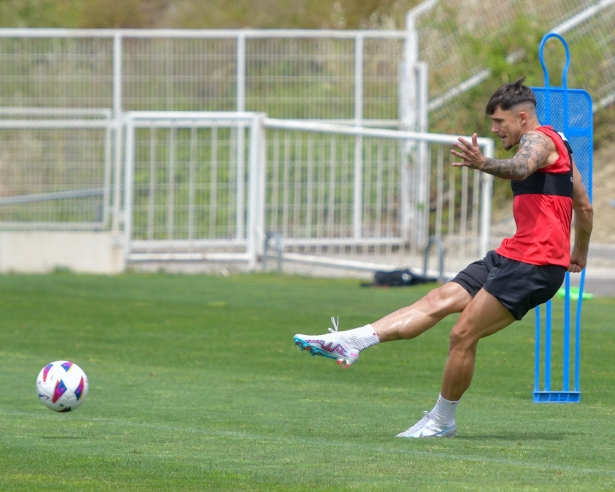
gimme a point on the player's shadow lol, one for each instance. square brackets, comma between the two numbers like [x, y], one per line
[517, 437]
[63, 437]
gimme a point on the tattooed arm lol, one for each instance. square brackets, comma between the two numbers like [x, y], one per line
[534, 151]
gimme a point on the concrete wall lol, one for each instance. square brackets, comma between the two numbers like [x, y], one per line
[41, 252]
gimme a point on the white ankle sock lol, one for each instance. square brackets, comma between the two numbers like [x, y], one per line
[361, 338]
[444, 411]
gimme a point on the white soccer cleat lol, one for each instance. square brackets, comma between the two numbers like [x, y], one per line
[331, 345]
[429, 427]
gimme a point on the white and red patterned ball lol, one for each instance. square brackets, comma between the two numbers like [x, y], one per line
[62, 386]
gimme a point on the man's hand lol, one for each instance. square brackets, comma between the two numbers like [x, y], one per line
[578, 262]
[470, 153]
[535, 149]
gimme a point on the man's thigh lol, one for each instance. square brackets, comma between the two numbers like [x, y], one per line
[483, 316]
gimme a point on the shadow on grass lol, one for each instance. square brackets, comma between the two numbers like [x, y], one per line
[63, 437]
[515, 436]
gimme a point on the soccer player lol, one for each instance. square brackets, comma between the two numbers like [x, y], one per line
[525, 271]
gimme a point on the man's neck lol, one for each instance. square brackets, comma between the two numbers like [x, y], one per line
[532, 125]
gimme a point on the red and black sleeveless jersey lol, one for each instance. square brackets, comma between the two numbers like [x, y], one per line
[542, 208]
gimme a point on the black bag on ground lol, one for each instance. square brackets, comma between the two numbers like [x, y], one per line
[399, 278]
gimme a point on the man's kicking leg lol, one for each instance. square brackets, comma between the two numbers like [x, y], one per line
[483, 316]
[406, 323]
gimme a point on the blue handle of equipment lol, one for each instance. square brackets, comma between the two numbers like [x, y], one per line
[566, 348]
[577, 336]
[537, 351]
[548, 343]
[542, 60]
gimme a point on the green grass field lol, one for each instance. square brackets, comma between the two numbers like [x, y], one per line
[195, 384]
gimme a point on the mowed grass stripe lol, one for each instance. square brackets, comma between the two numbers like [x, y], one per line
[408, 448]
[195, 385]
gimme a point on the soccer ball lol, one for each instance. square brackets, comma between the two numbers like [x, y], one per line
[62, 386]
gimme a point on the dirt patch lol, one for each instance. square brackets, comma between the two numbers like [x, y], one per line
[604, 195]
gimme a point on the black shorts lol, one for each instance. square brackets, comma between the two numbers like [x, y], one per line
[518, 286]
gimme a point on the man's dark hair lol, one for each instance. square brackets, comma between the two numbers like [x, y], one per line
[510, 95]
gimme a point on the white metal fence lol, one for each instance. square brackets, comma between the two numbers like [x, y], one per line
[55, 168]
[348, 76]
[297, 74]
[309, 74]
[193, 186]
[367, 78]
[324, 187]
[216, 185]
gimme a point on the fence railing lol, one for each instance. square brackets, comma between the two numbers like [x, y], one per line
[344, 76]
[296, 74]
[56, 168]
[215, 185]
[218, 183]
[361, 78]
[192, 185]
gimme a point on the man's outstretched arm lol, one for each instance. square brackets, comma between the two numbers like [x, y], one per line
[532, 155]
[583, 222]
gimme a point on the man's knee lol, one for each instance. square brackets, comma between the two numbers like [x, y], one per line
[484, 316]
[449, 298]
[462, 337]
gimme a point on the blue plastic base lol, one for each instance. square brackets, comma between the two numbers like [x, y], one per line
[557, 396]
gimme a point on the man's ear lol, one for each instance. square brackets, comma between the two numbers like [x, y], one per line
[523, 118]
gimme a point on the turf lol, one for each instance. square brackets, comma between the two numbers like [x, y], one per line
[195, 385]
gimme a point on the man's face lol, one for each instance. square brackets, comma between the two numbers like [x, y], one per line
[508, 126]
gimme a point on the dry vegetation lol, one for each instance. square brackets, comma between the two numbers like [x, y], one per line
[208, 14]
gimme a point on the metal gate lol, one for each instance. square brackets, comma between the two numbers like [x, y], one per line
[56, 169]
[217, 186]
[339, 195]
[192, 189]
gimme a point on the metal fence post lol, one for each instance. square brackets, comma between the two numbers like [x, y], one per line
[359, 61]
[117, 118]
[241, 106]
[128, 186]
[357, 201]
[357, 224]
[486, 199]
[262, 179]
[241, 72]
[413, 113]
[422, 164]
[256, 192]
